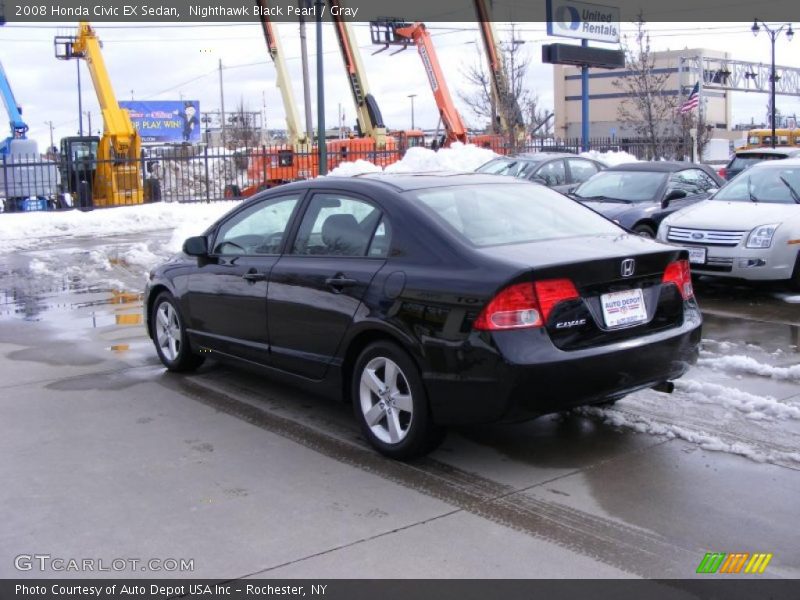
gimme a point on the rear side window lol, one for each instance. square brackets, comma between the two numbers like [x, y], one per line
[337, 225]
[504, 166]
[580, 170]
[553, 173]
[489, 215]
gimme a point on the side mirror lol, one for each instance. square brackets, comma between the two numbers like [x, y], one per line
[196, 246]
[673, 195]
[539, 179]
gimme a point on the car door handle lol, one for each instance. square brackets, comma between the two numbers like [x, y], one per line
[253, 276]
[340, 282]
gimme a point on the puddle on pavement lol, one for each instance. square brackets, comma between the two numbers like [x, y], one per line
[70, 310]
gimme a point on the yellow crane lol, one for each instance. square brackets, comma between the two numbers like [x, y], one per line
[111, 165]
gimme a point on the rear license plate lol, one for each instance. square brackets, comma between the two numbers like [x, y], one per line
[697, 256]
[623, 308]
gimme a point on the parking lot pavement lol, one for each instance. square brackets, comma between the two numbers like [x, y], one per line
[108, 456]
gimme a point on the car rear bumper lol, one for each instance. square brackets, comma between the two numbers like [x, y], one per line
[536, 378]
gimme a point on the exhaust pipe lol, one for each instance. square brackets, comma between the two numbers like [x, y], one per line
[667, 387]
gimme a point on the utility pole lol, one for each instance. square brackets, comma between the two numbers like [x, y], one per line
[412, 96]
[89, 115]
[222, 102]
[321, 147]
[50, 123]
[306, 77]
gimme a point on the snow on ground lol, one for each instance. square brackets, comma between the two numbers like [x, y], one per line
[747, 364]
[458, 157]
[707, 441]
[21, 231]
[789, 298]
[611, 158]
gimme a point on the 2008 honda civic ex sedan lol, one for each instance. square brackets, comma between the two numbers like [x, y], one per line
[429, 300]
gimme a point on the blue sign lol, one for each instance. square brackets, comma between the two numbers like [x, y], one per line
[165, 120]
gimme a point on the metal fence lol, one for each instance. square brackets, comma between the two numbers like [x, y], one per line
[200, 174]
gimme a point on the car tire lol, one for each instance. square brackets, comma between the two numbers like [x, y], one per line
[794, 282]
[170, 337]
[390, 403]
[644, 230]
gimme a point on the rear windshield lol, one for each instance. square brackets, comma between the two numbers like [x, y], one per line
[740, 163]
[490, 215]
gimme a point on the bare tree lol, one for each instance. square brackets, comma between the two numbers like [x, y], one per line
[703, 132]
[649, 107]
[518, 103]
[242, 130]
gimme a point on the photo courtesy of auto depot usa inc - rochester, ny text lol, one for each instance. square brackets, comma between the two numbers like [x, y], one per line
[203, 11]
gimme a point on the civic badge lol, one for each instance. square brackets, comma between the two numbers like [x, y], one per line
[628, 267]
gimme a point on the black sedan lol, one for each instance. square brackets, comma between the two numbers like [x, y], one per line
[429, 300]
[639, 195]
[560, 171]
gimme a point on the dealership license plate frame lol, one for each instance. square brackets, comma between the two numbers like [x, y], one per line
[694, 253]
[626, 312]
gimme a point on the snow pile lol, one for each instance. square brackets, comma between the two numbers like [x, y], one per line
[754, 407]
[458, 157]
[789, 298]
[746, 364]
[611, 158]
[706, 441]
[351, 169]
[187, 180]
[21, 231]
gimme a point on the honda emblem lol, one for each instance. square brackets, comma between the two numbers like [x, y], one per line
[628, 267]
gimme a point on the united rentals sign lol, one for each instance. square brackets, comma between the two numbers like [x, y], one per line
[583, 21]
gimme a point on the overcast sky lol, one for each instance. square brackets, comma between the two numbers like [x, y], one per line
[154, 62]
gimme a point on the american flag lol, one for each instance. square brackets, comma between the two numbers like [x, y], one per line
[693, 101]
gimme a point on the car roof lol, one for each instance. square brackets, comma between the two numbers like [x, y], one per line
[402, 182]
[661, 166]
[786, 162]
[539, 156]
[788, 151]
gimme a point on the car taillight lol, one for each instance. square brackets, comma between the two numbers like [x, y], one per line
[679, 274]
[722, 172]
[552, 291]
[524, 305]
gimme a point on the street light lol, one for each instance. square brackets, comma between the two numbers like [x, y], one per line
[412, 96]
[773, 35]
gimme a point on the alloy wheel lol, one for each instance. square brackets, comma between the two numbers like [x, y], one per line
[168, 331]
[386, 400]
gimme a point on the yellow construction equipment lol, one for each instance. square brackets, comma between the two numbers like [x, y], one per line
[115, 175]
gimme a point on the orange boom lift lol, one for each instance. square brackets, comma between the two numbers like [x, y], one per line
[400, 33]
[298, 158]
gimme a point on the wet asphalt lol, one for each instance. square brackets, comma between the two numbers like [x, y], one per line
[105, 455]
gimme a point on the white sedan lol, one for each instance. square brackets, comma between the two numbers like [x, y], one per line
[750, 229]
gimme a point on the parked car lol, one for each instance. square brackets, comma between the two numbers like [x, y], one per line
[558, 170]
[639, 195]
[429, 300]
[750, 229]
[742, 159]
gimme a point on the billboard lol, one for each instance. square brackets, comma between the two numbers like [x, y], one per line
[162, 121]
[583, 21]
